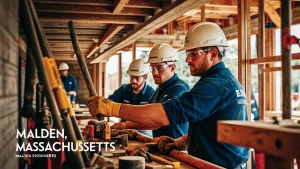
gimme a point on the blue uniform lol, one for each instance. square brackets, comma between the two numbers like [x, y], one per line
[216, 96]
[124, 94]
[173, 88]
[70, 84]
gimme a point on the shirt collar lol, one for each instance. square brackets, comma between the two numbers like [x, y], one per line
[216, 67]
[143, 91]
[169, 82]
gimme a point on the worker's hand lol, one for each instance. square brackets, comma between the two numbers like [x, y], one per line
[167, 144]
[119, 126]
[132, 134]
[72, 93]
[98, 104]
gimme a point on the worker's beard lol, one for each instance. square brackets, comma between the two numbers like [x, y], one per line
[136, 86]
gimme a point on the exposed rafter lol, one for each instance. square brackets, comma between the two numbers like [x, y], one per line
[163, 17]
[101, 18]
[114, 29]
[119, 5]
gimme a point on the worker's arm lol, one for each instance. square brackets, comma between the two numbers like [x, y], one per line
[132, 125]
[150, 115]
[153, 115]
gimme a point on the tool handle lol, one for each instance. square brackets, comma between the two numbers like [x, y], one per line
[83, 67]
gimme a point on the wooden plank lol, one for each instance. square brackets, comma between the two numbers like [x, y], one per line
[263, 137]
[261, 54]
[77, 2]
[131, 3]
[101, 18]
[119, 5]
[295, 56]
[133, 51]
[169, 13]
[274, 69]
[90, 9]
[87, 25]
[270, 114]
[112, 31]
[273, 14]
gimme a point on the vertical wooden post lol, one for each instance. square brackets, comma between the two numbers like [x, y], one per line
[120, 69]
[244, 53]
[261, 53]
[286, 59]
[203, 19]
[133, 51]
[270, 76]
[96, 77]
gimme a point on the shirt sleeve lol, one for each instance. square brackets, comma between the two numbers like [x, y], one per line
[202, 101]
[117, 95]
[175, 92]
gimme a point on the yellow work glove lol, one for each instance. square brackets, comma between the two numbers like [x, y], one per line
[98, 104]
[166, 144]
[119, 126]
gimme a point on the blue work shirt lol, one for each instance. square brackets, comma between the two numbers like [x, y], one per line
[70, 84]
[216, 96]
[124, 94]
[174, 87]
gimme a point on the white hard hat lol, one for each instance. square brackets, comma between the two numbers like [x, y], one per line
[63, 66]
[162, 53]
[204, 34]
[138, 68]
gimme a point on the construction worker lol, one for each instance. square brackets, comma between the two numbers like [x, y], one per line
[216, 96]
[162, 60]
[69, 81]
[137, 92]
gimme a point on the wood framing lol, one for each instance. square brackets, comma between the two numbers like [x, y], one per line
[114, 29]
[261, 136]
[163, 17]
[119, 5]
[295, 56]
[273, 14]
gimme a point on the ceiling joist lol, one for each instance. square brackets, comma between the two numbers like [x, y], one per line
[101, 18]
[166, 15]
[119, 6]
[112, 31]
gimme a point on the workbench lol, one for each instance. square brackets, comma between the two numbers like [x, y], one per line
[147, 164]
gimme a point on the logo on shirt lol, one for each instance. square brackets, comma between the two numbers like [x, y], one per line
[70, 82]
[240, 94]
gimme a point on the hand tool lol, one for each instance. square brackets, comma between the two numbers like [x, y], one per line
[82, 64]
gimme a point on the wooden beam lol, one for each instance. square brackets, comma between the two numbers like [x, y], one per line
[90, 9]
[261, 54]
[273, 14]
[133, 51]
[274, 69]
[113, 19]
[231, 32]
[295, 56]
[169, 13]
[114, 29]
[261, 136]
[119, 5]
[131, 3]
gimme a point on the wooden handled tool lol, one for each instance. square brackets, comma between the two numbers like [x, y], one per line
[83, 67]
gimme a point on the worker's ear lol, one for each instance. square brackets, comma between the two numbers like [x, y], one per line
[173, 67]
[214, 54]
[145, 77]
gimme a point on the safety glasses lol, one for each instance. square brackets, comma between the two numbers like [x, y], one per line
[159, 68]
[137, 78]
[195, 53]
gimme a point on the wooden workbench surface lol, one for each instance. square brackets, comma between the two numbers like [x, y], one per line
[148, 164]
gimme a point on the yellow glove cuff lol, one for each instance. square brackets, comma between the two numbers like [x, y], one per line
[108, 107]
[115, 109]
